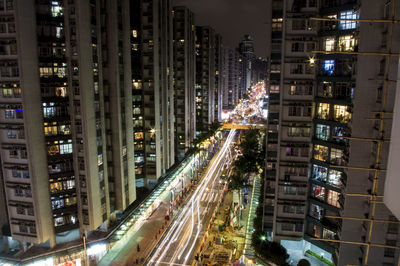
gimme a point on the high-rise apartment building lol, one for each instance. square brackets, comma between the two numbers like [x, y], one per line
[258, 70]
[66, 116]
[205, 77]
[336, 56]
[360, 95]
[153, 91]
[230, 78]
[288, 140]
[184, 80]
[218, 78]
[246, 49]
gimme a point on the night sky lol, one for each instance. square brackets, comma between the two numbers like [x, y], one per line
[232, 19]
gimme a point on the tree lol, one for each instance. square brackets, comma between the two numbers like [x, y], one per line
[252, 157]
[237, 182]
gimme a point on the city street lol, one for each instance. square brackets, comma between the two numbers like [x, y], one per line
[183, 237]
[146, 234]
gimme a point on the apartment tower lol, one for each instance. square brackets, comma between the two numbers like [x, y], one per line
[66, 116]
[231, 74]
[153, 91]
[184, 80]
[205, 77]
[218, 78]
[337, 64]
[290, 93]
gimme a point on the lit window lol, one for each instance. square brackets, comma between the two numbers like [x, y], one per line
[136, 111]
[348, 24]
[100, 159]
[46, 71]
[329, 44]
[49, 112]
[50, 130]
[9, 113]
[337, 156]
[334, 177]
[346, 43]
[320, 173]
[61, 91]
[322, 132]
[316, 211]
[274, 89]
[318, 192]
[333, 198]
[329, 25]
[298, 132]
[8, 92]
[323, 110]
[56, 9]
[137, 84]
[326, 89]
[139, 159]
[138, 135]
[65, 129]
[341, 114]
[321, 153]
[65, 148]
[59, 32]
[134, 33]
[329, 67]
[151, 157]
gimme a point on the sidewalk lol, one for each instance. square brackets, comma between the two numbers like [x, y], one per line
[146, 237]
[129, 255]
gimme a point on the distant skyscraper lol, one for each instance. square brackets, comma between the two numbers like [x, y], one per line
[152, 78]
[231, 78]
[246, 49]
[66, 146]
[205, 77]
[184, 76]
[258, 70]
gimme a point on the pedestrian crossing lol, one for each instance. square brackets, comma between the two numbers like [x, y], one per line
[209, 196]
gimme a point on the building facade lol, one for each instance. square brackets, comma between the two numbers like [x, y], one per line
[205, 77]
[184, 80]
[291, 86]
[218, 78]
[61, 110]
[230, 78]
[334, 70]
[246, 49]
[153, 91]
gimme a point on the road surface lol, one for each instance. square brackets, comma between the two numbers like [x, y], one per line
[181, 241]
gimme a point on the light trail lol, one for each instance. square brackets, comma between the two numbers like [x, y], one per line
[174, 231]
